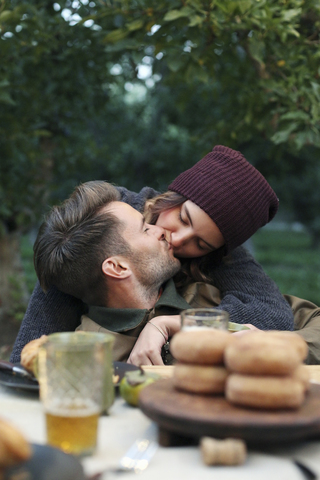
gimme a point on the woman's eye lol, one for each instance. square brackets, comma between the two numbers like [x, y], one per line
[204, 248]
[181, 219]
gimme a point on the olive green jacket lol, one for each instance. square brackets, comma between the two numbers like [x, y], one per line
[307, 324]
[126, 324]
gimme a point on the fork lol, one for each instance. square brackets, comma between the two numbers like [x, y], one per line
[136, 459]
[138, 456]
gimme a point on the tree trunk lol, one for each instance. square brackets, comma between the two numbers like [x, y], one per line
[13, 291]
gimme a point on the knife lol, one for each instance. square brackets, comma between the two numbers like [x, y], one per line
[17, 370]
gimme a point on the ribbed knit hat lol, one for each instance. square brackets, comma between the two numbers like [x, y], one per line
[231, 191]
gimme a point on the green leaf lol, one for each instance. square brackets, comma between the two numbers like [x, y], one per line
[175, 14]
[316, 89]
[244, 5]
[4, 83]
[116, 35]
[304, 138]
[135, 25]
[202, 75]
[175, 63]
[195, 20]
[298, 115]
[42, 133]
[6, 98]
[257, 49]
[289, 15]
[7, 15]
[283, 135]
[294, 32]
[125, 44]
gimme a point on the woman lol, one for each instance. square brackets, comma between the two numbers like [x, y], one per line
[225, 200]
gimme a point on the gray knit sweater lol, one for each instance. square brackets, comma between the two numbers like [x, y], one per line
[247, 293]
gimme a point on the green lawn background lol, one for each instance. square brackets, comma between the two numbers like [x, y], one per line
[288, 259]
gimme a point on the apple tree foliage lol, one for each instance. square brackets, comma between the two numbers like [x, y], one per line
[134, 91]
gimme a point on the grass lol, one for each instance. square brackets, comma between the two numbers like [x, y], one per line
[288, 259]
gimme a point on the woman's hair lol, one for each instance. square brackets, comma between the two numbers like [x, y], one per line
[191, 268]
[160, 203]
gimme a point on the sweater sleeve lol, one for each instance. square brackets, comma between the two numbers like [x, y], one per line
[56, 311]
[137, 200]
[47, 313]
[249, 295]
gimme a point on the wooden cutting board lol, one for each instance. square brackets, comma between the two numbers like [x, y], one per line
[181, 415]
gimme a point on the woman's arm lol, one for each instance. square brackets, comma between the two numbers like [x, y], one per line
[249, 295]
[47, 313]
[137, 200]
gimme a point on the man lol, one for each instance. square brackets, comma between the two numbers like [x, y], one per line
[84, 248]
[100, 250]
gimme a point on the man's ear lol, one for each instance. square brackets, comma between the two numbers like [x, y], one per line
[117, 267]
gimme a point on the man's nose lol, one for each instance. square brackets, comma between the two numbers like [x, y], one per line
[158, 232]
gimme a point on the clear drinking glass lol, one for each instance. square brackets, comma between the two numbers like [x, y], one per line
[195, 318]
[75, 377]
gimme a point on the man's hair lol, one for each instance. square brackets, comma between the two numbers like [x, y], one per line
[74, 240]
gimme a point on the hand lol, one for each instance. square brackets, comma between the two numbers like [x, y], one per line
[147, 349]
[251, 328]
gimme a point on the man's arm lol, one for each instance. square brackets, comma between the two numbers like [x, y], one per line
[249, 295]
[147, 349]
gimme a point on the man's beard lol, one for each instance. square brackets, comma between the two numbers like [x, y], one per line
[152, 271]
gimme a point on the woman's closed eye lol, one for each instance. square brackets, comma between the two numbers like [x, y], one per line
[204, 248]
[184, 222]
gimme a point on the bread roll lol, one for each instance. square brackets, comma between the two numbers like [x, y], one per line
[262, 353]
[264, 391]
[294, 339]
[203, 346]
[14, 448]
[29, 353]
[200, 378]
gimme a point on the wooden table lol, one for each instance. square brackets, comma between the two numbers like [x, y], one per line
[314, 371]
[124, 424]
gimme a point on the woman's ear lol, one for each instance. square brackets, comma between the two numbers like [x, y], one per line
[116, 267]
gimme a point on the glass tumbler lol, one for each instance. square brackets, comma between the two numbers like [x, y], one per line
[195, 318]
[75, 377]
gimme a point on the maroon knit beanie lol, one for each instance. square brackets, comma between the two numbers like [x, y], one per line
[231, 191]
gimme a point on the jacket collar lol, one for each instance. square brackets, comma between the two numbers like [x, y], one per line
[124, 319]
